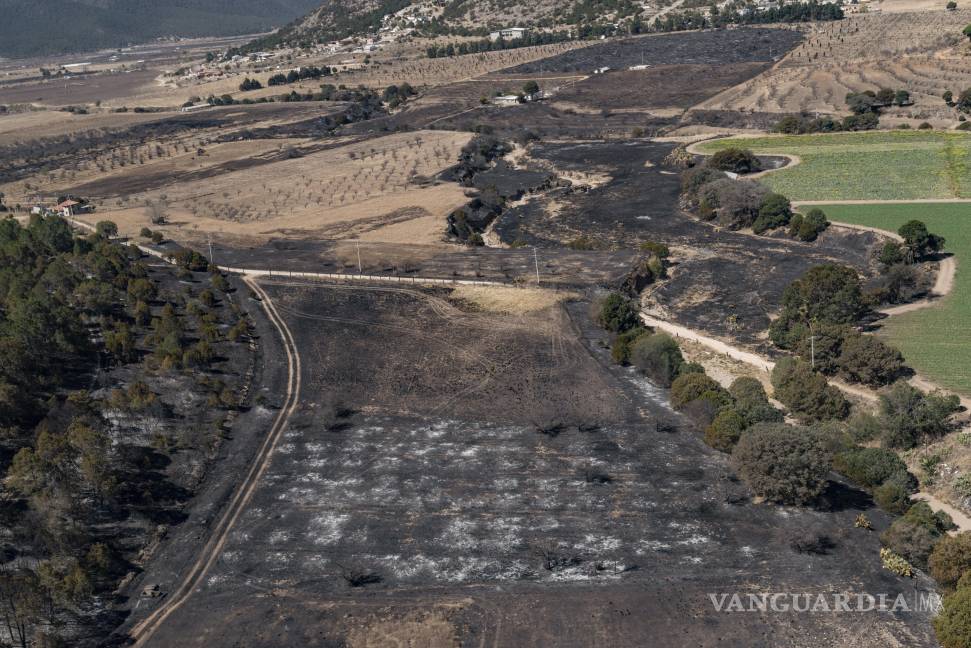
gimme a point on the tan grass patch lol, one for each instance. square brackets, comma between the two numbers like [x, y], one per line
[511, 300]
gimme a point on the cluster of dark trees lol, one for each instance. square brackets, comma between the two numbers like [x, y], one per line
[707, 191]
[899, 280]
[249, 84]
[786, 13]
[69, 305]
[529, 39]
[301, 74]
[798, 125]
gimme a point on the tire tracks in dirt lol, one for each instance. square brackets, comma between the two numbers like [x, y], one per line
[143, 631]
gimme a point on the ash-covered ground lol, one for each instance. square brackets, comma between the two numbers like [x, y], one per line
[716, 273]
[379, 523]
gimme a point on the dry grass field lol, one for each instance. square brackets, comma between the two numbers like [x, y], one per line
[921, 52]
[378, 190]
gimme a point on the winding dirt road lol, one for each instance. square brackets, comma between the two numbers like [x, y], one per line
[145, 629]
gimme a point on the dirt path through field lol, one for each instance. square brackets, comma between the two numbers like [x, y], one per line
[962, 521]
[143, 631]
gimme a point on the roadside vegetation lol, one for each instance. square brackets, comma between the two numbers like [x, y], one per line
[935, 341]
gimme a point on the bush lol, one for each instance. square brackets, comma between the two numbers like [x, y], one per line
[806, 393]
[725, 431]
[869, 467]
[781, 463]
[736, 203]
[866, 359]
[894, 494]
[953, 624]
[658, 356]
[826, 294]
[910, 416]
[621, 346]
[863, 427]
[617, 313]
[775, 211]
[951, 559]
[690, 387]
[106, 229]
[810, 226]
[919, 240]
[752, 403]
[736, 160]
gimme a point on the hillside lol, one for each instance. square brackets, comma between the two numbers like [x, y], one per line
[32, 28]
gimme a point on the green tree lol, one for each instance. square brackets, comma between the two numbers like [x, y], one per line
[658, 356]
[953, 624]
[806, 393]
[617, 313]
[781, 463]
[951, 559]
[725, 431]
[106, 229]
[775, 211]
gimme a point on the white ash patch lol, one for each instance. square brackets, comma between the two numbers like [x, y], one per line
[644, 546]
[286, 448]
[458, 534]
[598, 544]
[695, 539]
[327, 528]
[279, 536]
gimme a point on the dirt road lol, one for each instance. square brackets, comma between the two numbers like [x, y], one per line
[962, 521]
[143, 631]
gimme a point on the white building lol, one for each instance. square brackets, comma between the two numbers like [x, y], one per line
[512, 33]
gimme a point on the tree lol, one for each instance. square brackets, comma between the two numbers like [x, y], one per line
[919, 240]
[775, 211]
[953, 624]
[736, 160]
[909, 416]
[617, 313]
[806, 393]
[885, 96]
[781, 463]
[901, 98]
[964, 99]
[691, 387]
[809, 226]
[530, 88]
[912, 541]
[951, 5]
[861, 102]
[868, 467]
[106, 229]
[725, 431]
[658, 356]
[951, 559]
[825, 294]
[967, 31]
[948, 97]
[868, 360]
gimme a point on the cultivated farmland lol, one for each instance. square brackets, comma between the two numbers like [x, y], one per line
[936, 341]
[897, 165]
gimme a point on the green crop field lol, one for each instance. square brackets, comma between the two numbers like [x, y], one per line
[879, 165]
[936, 341]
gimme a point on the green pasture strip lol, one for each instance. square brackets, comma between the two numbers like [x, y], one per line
[936, 341]
[876, 165]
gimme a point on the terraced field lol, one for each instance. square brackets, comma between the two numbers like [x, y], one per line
[935, 341]
[886, 165]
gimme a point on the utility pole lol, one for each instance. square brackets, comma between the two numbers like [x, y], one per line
[536, 262]
[212, 259]
[360, 268]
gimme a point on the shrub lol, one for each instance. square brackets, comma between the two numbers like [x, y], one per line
[775, 211]
[725, 430]
[781, 463]
[894, 494]
[869, 467]
[752, 403]
[863, 427]
[924, 126]
[826, 294]
[736, 160]
[695, 178]
[919, 240]
[890, 254]
[953, 624]
[810, 226]
[617, 313]
[691, 367]
[690, 387]
[951, 559]
[106, 229]
[865, 359]
[806, 393]
[736, 203]
[658, 356]
[909, 415]
[621, 346]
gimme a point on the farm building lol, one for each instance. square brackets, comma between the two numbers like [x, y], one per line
[512, 33]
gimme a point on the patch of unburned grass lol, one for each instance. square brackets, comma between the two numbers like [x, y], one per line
[513, 301]
[936, 341]
[882, 165]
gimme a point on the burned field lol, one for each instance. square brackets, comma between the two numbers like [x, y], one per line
[715, 47]
[413, 495]
[716, 273]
